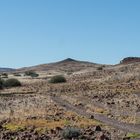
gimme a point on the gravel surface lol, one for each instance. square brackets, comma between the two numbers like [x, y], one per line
[100, 117]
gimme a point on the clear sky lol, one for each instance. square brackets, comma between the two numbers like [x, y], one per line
[42, 31]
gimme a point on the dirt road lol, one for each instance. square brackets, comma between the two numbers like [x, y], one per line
[99, 117]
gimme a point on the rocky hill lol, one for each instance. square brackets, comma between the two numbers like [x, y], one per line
[69, 65]
[130, 60]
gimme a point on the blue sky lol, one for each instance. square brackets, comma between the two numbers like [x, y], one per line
[42, 31]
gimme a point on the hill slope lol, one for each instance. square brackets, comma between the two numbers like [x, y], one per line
[67, 65]
[6, 70]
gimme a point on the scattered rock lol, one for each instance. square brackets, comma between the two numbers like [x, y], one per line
[98, 128]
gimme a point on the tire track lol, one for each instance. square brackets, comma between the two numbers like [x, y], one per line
[101, 105]
[99, 117]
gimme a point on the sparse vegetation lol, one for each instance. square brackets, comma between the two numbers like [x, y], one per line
[100, 68]
[17, 74]
[13, 127]
[9, 83]
[1, 83]
[133, 135]
[57, 79]
[69, 73]
[66, 111]
[12, 83]
[33, 74]
[4, 75]
[70, 132]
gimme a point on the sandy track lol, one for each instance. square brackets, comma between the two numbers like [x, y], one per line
[99, 117]
[101, 105]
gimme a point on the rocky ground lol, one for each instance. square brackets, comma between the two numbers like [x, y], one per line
[100, 102]
[30, 133]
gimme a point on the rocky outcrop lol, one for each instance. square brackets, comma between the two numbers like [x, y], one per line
[130, 60]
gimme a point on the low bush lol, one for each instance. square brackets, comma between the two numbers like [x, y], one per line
[70, 133]
[31, 73]
[1, 83]
[34, 75]
[17, 74]
[12, 83]
[58, 79]
[100, 68]
[4, 75]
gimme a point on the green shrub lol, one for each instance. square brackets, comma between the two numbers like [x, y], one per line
[69, 73]
[70, 133]
[17, 74]
[4, 75]
[100, 68]
[1, 83]
[31, 73]
[34, 75]
[12, 83]
[58, 79]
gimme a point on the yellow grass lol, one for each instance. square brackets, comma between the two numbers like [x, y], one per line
[40, 124]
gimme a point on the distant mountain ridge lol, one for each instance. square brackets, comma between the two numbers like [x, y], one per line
[73, 65]
[68, 64]
[7, 70]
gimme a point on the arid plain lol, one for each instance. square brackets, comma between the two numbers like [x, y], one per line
[96, 102]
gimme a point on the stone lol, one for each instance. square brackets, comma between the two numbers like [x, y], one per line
[98, 128]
